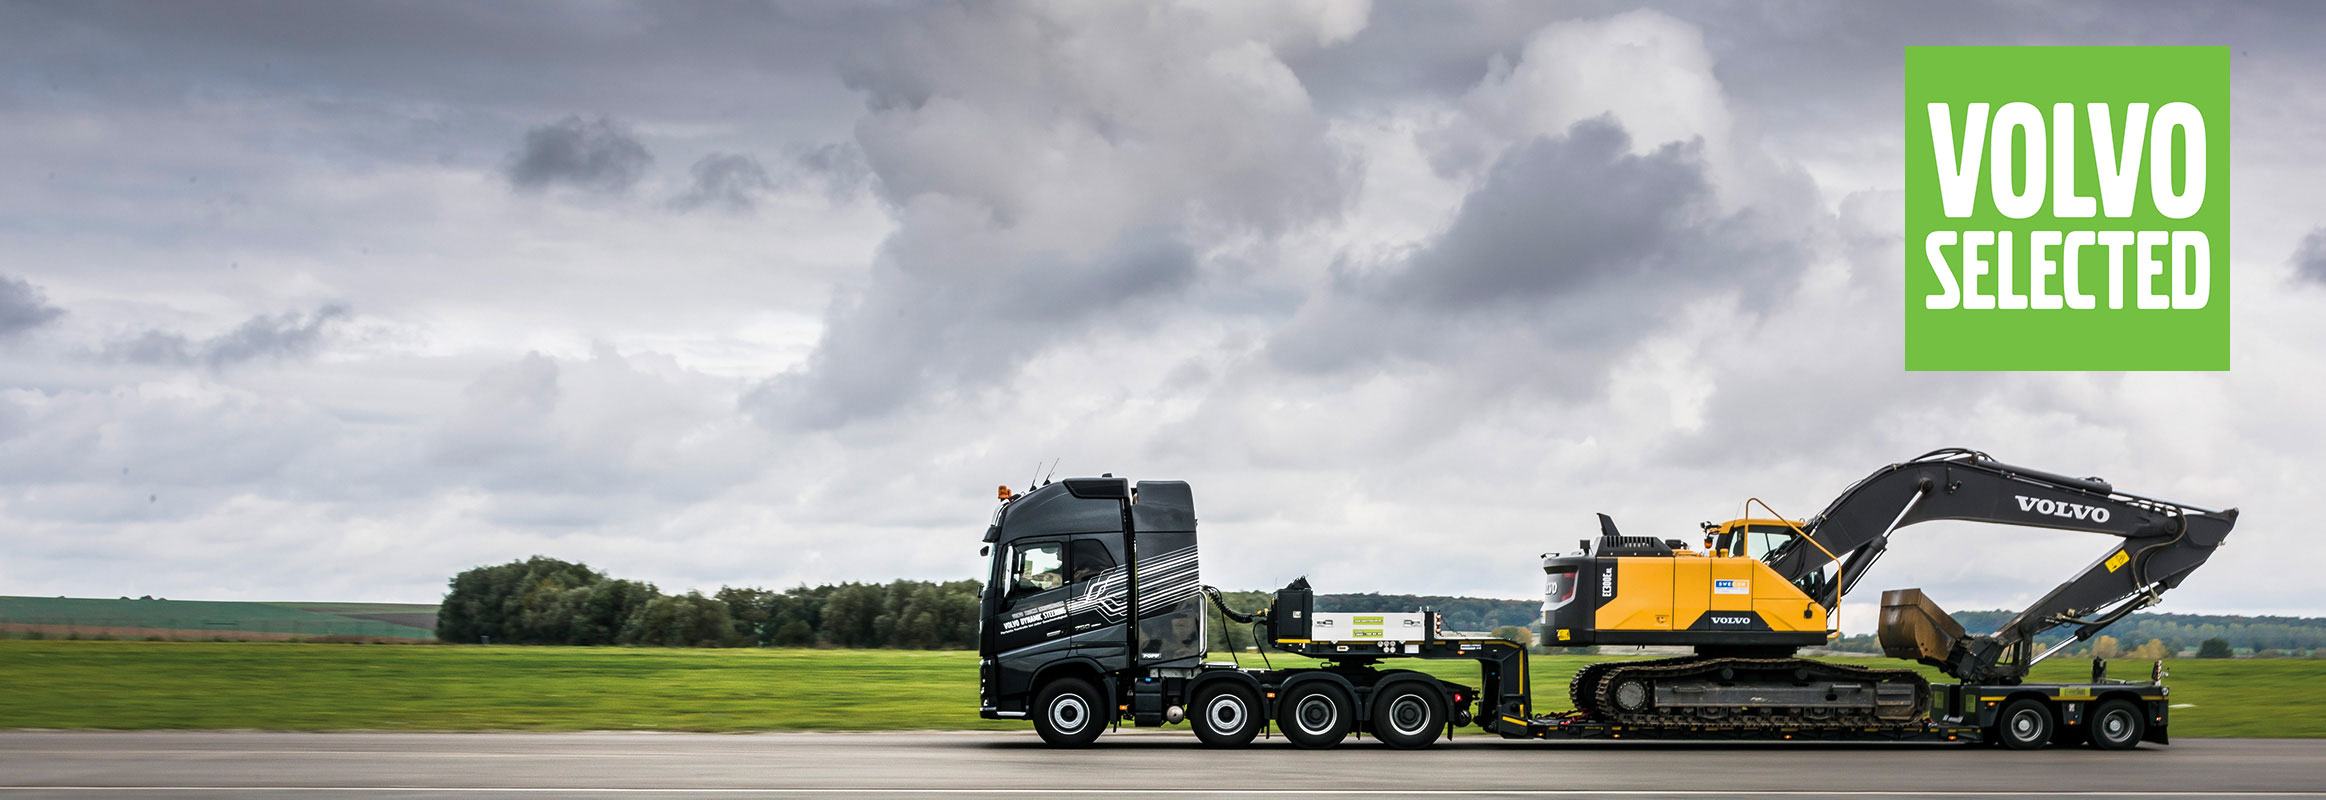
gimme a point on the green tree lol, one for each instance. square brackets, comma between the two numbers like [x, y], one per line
[794, 633]
[753, 612]
[2215, 647]
[606, 608]
[490, 603]
[850, 614]
[685, 620]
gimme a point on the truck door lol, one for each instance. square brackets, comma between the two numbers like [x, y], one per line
[1033, 602]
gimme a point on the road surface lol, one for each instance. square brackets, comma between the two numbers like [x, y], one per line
[214, 764]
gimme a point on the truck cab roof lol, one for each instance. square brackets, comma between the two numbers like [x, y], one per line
[1093, 505]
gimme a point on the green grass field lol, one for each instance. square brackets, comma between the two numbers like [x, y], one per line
[285, 686]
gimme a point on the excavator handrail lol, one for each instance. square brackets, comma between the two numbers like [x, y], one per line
[1751, 501]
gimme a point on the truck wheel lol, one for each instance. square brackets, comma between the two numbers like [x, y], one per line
[2025, 724]
[1226, 715]
[1316, 716]
[2116, 725]
[1068, 713]
[1408, 716]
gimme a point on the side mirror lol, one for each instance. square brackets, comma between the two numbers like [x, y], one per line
[985, 550]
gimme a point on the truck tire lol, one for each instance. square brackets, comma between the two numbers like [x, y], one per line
[1068, 713]
[1408, 716]
[1317, 715]
[2116, 725]
[2025, 724]
[1226, 715]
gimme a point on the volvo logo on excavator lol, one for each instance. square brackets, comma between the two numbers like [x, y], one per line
[2058, 509]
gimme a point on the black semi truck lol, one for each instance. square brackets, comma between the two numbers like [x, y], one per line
[1093, 616]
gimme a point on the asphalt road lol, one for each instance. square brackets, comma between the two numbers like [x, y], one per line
[206, 764]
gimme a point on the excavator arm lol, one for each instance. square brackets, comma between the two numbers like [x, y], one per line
[2163, 542]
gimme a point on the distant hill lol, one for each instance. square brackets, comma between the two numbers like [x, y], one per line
[2179, 632]
[144, 618]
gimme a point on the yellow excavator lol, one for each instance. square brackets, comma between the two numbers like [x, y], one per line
[1761, 588]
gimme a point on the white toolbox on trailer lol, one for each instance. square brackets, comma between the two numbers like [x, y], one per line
[1336, 626]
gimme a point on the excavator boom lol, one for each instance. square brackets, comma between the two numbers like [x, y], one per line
[2162, 542]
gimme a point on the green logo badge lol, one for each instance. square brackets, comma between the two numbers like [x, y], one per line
[2067, 208]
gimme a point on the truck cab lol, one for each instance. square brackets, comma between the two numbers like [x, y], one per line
[1092, 615]
[1070, 566]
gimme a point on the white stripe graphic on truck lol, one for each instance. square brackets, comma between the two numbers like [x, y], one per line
[1164, 581]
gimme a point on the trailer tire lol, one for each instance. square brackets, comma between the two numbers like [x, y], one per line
[1069, 713]
[1408, 716]
[1316, 715]
[2025, 724]
[1226, 715]
[2116, 725]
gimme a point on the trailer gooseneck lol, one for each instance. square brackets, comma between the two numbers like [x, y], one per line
[1092, 616]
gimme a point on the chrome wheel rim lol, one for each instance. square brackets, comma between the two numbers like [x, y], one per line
[1316, 714]
[2025, 725]
[1068, 713]
[1225, 713]
[1409, 715]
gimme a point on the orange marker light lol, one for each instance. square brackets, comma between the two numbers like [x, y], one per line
[1005, 492]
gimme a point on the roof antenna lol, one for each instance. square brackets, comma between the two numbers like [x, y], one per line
[1053, 471]
[1037, 475]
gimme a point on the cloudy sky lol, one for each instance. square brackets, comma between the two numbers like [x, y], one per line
[328, 301]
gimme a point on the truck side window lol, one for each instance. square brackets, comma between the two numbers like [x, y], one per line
[1039, 567]
[1090, 561]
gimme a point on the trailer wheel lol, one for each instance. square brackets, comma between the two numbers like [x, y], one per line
[1316, 716]
[2025, 724]
[1068, 713]
[1226, 715]
[1408, 716]
[2116, 725]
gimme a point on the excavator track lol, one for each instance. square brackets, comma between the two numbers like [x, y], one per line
[1583, 690]
[1653, 694]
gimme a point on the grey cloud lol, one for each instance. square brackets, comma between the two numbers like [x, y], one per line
[598, 155]
[1534, 230]
[2310, 256]
[730, 181]
[266, 336]
[23, 307]
[839, 165]
[604, 430]
[1038, 193]
[937, 322]
[1004, 106]
[505, 416]
[1532, 256]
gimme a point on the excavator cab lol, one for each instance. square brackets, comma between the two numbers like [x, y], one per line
[1753, 537]
[1766, 540]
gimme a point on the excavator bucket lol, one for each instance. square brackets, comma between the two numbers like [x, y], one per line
[1913, 627]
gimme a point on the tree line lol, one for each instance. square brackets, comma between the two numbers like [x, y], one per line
[544, 600]
[547, 601]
